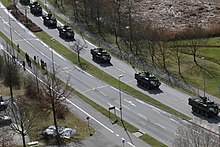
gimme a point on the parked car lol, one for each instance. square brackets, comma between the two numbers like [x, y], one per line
[5, 120]
[3, 106]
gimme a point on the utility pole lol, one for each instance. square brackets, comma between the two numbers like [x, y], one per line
[120, 103]
[10, 28]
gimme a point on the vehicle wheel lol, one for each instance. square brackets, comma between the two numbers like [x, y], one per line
[197, 110]
[206, 114]
[202, 112]
[193, 109]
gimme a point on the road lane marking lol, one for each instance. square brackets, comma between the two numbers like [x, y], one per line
[130, 102]
[160, 126]
[125, 107]
[142, 116]
[174, 120]
[130, 144]
[156, 110]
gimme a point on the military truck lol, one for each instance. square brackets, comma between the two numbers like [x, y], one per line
[49, 21]
[24, 2]
[66, 33]
[204, 106]
[100, 55]
[147, 80]
[35, 8]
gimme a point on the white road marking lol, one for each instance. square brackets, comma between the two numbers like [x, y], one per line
[130, 102]
[120, 70]
[142, 116]
[131, 144]
[117, 135]
[126, 107]
[174, 120]
[156, 110]
[160, 126]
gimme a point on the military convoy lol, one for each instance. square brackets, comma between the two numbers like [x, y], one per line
[49, 21]
[35, 8]
[147, 80]
[204, 106]
[100, 55]
[66, 33]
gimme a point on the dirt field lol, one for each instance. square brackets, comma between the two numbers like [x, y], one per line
[178, 14]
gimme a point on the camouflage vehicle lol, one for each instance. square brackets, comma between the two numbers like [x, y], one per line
[66, 33]
[35, 8]
[100, 55]
[204, 106]
[147, 80]
[24, 2]
[49, 21]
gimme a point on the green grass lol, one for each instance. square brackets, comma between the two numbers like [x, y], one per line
[72, 121]
[104, 76]
[6, 2]
[152, 141]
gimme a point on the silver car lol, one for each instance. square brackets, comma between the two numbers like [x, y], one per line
[5, 120]
[3, 106]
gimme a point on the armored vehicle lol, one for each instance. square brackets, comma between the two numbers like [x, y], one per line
[147, 80]
[25, 2]
[203, 106]
[66, 33]
[35, 8]
[100, 55]
[49, 21]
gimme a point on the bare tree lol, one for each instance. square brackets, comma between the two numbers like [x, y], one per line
[11, 74]
[177, 47]
[192, 135]
[78, 46]
[23, 120]
[54, 89]
[195, 40]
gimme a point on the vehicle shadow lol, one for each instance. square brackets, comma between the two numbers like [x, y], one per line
[211, 119]
[103, 64]
[151, 91]
[69, 40]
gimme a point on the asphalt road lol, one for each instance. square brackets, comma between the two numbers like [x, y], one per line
[147, 118]
[106, 134]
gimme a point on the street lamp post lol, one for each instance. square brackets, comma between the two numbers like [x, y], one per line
[123, 142]
[88, 118]
[52, 40]
[119, 85]
[10, 29]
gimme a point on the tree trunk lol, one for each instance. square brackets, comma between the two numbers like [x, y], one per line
[55, 121]
[11, 92]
